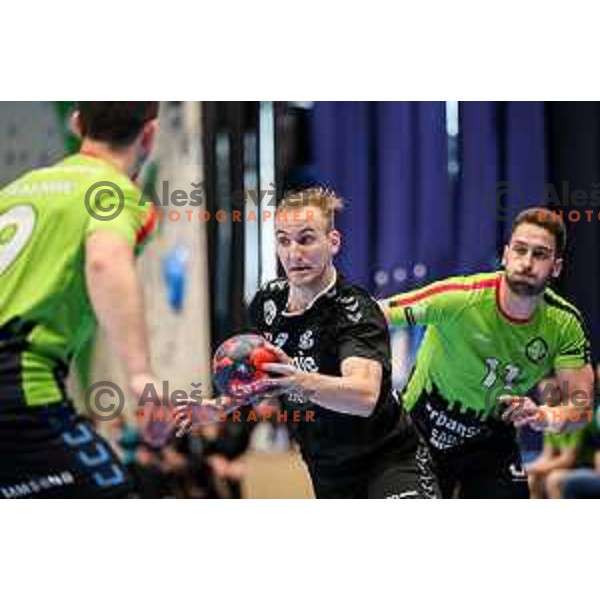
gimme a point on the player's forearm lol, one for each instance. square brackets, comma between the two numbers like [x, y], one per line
[117, 300]
[350, 395]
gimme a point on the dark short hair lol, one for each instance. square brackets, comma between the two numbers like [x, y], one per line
[548, 220]
[116, 123]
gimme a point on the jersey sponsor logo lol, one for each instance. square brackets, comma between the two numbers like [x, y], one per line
[41, 188]
[446, 432]
[281, 339]
[537, 350]
[37, 485]
[269, 311]
[306, 341]
[305, 363]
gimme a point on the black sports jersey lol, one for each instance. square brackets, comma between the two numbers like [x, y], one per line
[342, 321]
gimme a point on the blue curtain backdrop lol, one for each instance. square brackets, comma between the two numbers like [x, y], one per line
[409, 219]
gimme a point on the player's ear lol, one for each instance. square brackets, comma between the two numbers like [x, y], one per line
[335, 238]
[75, 124]
[558, 265]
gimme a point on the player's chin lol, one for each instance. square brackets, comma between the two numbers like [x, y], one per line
[526, 287]
[304, 276]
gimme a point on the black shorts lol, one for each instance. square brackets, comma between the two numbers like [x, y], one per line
[399, 470]
[53, 453]
[471, 458]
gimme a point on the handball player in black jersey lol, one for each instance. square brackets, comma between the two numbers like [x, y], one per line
[334, 377]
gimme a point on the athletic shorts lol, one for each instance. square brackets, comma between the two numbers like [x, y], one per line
[53, 453]
[471, 458]
[400, 470]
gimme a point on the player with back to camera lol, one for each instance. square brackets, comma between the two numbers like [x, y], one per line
[60, 267]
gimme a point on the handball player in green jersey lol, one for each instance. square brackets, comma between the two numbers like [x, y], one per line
[490, 339]
[69, 234]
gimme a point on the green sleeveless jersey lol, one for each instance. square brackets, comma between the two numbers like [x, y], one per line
[472, 352]
[45, 312]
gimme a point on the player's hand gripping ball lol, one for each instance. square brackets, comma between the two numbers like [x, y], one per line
[237, 365]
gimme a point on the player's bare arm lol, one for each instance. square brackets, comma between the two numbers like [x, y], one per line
[117, 299]
[355, 392]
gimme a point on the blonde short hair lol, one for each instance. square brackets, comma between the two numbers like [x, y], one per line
[319, 197]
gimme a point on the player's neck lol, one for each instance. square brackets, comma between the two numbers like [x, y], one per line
[123, 160]
[301, 296]
[517, 307]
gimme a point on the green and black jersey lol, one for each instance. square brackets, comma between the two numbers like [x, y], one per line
[45, 313]
[472, 352]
